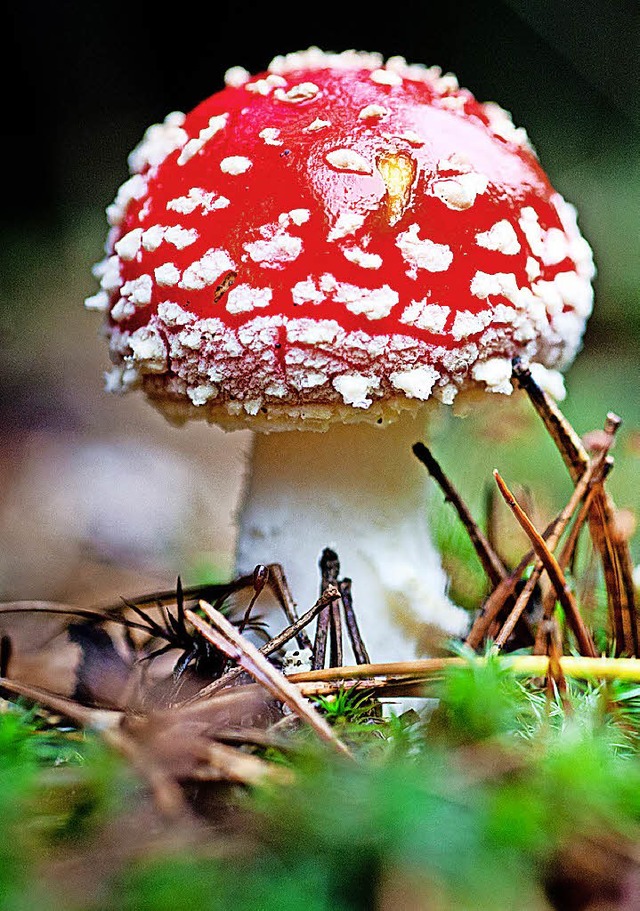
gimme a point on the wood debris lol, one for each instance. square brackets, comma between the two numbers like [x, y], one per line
[175, 681]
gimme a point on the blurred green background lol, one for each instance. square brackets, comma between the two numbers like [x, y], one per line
[97, 495]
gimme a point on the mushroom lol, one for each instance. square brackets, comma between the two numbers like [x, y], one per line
[323, 252]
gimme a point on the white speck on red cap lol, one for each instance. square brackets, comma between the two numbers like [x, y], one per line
[236, 76]
[270, 136]
[149, 350]
[355, 388]
[423, 253]
[195, 145]
[207, 270]
[429, 317]
[244, 298]
[361, 258]
[275, 248]
[502, 125]
[345, 224]
[180, 237]
[495, 373]
[138, 290]
[127, 247]
[197, 197]
[297, 93]
[99, 302]
[133, 188]
[411, 137]
[317, 124]
[348, 160]
[159, 141]
[373, 112]
[460, 192]
[265, 86]
[500, 237]
[336, 233]
[235, 164]
[417, 383]
[167, 274]
[375, 303]
[386, 77]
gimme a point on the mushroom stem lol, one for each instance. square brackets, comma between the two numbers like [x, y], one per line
[358, 489]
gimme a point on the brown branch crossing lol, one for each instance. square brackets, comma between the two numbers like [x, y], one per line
[557, 577]
[223, 634]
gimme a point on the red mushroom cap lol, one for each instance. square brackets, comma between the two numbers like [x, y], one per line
[338, 234]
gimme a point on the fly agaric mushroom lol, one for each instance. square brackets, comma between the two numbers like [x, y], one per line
[330, 246]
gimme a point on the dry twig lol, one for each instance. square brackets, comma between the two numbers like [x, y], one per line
[566, 556]
[359, 649]
[408, 678]
[489, 559]
[557, 577]
[221, 633]
[268, 648]
[551, 540]
[281, 590]
[328, 616]
[614, 554]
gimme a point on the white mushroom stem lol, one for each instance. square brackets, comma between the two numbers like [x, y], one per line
[359, 490]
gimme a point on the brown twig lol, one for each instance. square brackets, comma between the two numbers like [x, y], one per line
[280, 588]
[562, 433]
[491, 562]
[223, 634]
[335, 634]
[329, 571]
[260, 579]
[499, 597]
[625, 565]
[156, 600]
[620, 590]
[232, 764]
[567, 554]
[80, 714]
[547, 629]
[614, 557]
[551, 541]
[267, 649]
[557, 577]
[556, 680]
[359, 649]
[518, 608]
[496, 602]
[408, 678]
[618, 567]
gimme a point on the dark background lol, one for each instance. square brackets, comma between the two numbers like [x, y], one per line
[83, 80]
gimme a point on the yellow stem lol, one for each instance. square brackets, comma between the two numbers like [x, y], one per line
[582, 668]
